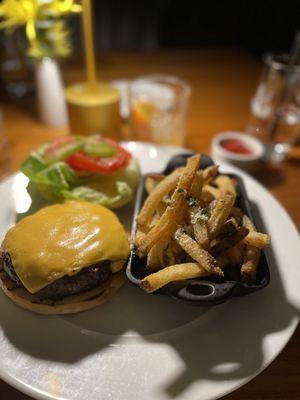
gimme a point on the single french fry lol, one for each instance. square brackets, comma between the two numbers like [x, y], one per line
[196, 190]
[172, 273]
[218, 246]
[225, 184]
[212, 190]
[220, 214]
[167, 185]
[203, 258]
[152, 181]
[199, 223]
[139, 236]
[201, 233]
[246, 221]
[155, 257]
[175, 213]
[209, 173]
[249, 267]
[257, 239]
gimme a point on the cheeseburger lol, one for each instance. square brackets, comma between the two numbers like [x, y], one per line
[65, 258]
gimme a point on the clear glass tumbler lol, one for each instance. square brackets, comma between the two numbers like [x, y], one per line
[158, 109]
[275, 107]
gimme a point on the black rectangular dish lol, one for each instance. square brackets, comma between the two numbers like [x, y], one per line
[200, 291]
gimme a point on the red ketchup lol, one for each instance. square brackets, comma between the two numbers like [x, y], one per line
[236, 146]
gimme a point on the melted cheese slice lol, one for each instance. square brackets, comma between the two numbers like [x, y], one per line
[63, 239]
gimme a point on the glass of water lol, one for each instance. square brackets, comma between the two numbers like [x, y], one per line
[158, 109]
[275, 107]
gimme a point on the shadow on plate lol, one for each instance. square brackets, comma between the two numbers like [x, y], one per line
[236, 350]
[221, 343]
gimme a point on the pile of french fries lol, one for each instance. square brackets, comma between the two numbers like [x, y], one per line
[189, 227]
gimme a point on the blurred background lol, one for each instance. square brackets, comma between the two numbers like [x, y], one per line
[254, 26]
[215, 46]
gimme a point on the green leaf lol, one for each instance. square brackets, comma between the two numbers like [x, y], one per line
[123, 194]
[52, 179]
[32, 165]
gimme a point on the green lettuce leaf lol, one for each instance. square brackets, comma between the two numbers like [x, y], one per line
[33, 165]
[58, 182]
[123, 194]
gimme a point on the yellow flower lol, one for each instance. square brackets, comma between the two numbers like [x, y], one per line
[57, 8]
[53, 41]
[17, 13]
[32, 14]
[59, 35]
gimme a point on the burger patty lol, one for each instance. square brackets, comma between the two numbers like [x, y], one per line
[86, 279]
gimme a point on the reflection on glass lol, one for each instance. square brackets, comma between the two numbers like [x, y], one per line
[158, 108]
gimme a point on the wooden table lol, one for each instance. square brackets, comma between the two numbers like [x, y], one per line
[223, 81]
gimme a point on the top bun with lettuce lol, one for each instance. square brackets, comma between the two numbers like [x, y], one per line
[94, 168]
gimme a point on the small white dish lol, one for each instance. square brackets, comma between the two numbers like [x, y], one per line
[247, 162]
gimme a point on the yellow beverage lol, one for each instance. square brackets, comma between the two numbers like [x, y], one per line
[93, 106]
[94, 111]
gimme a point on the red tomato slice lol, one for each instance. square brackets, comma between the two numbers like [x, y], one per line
[103, 165]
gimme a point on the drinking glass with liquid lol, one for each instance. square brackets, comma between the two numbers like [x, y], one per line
[158, 109]
[275, 107]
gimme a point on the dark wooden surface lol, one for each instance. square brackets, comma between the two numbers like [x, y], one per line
[223, 82]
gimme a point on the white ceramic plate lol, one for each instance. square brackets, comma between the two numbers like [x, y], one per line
[147, 347]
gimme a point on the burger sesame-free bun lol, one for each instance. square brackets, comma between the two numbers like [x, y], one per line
[69, 305]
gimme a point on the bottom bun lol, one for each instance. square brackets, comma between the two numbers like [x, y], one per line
[69, 305]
